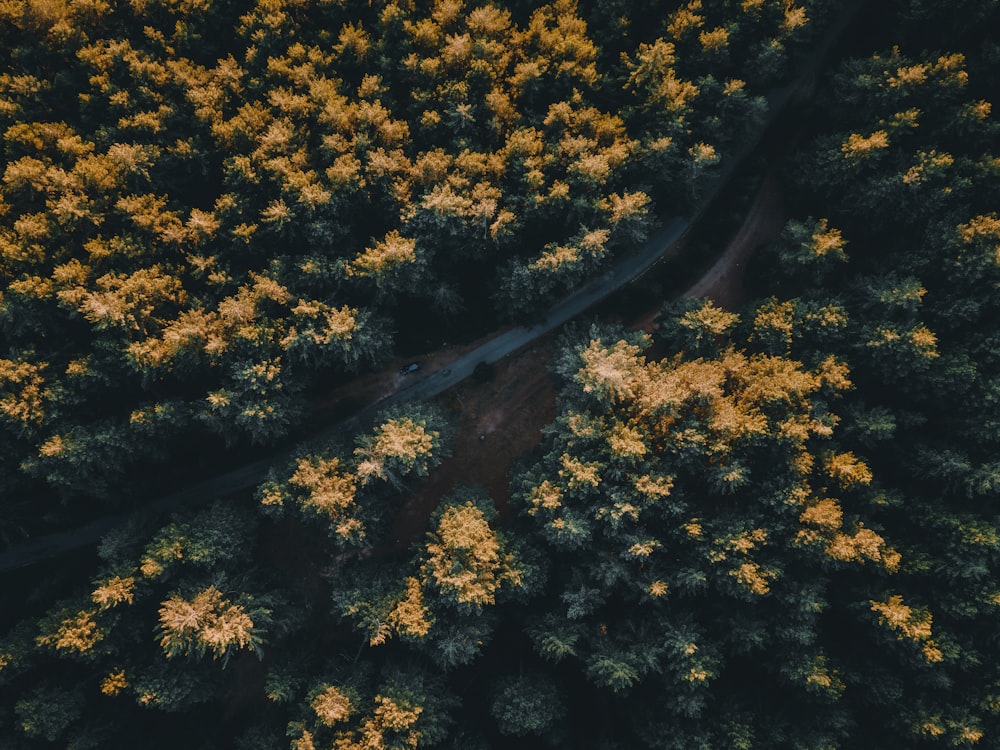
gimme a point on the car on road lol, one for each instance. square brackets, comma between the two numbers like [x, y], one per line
[410, 368]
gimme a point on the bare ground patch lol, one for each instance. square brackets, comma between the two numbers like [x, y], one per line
[498, 421]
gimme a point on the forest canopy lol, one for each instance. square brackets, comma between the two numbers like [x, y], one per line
[767, 525]
[204, 206]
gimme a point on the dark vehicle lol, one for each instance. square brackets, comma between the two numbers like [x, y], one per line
[407, 369]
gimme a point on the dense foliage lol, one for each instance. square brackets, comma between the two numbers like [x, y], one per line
[203, 204]
[765, 528]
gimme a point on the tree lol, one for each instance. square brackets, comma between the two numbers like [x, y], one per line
[465, 561]
[406, 442]
[210, 623]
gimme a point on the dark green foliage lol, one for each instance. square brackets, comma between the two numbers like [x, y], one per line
[779, 532]
[47, 711]
[207, 211]
[529, 704]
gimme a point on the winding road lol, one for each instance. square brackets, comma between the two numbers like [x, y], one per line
[663, 243]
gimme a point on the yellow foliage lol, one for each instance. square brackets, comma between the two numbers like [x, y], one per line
[827, 241]
[78, 367]
[846, 469]
[906, 119]
[703, 153]
[752, 577]
[657, 589]
[488, 21]
[932, 727]
[803, 463]
[911, 75]
[392, 719]
[858, 146]
[908, 624]
[54, 446]
[332, 706]
[924, 341]
[555, 258]
[328, 324]
[208, 622]
[464, 557]
[393, 251]
[32, 287]
[577, 473]
[626, 206]
[952, 69]
[927, 162]
[626, 442]
[410, 615]
[329, 490]
[765, 379]
[79, 633]
[745, 541]
[644, 549]
[25, 405]
[717, 38]
[127, 301]
[402, 440]
[984, 226]
[980, 109]
[114, 591]
[825, 513]
[619, 510]
[114, 683]
[834, 373]
[777, 319]
[863, 544]
[709, 317]
[583, 425]
[733, 86]
[652, 73]
[613, 371]
[560, 37]
[654, 487]
[685, 19]
[546, 496]
[794, 16]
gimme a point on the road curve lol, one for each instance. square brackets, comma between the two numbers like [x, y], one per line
[422, 387]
